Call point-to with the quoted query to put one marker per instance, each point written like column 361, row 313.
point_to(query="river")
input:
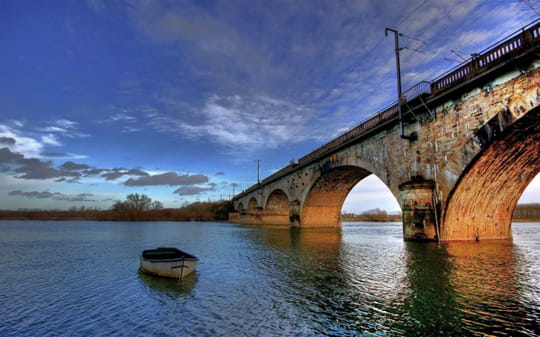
column 81, row 279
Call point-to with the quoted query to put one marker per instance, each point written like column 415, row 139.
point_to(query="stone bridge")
column 470, row 147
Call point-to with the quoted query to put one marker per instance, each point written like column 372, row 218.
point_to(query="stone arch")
column 253, row 204
column 322, row 204
column 240, row 207
column 277, row 200
column 485, row 196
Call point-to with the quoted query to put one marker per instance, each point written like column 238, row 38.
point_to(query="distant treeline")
column 372, row 215
column 141, row 208
column 527, row 212
column 135, row 208
column 523, row 212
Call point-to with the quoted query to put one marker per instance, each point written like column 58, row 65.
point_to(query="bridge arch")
column 277, row 201
column 240, row 207
column 484, row 198
column 324, row 200
column 253, row 204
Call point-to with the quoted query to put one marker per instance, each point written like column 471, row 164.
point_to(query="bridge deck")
column 521, row 43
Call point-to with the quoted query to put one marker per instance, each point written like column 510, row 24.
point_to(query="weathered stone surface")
column 480, row 150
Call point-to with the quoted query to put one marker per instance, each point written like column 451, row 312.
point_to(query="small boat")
column 167, row 262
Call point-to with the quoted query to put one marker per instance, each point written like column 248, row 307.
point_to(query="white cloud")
column 27, row 146
column 50, row 139
column 250, row 122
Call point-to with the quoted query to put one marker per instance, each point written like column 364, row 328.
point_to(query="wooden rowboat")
column 167, row 262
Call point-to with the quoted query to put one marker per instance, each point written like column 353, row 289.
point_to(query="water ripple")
column 81, row 279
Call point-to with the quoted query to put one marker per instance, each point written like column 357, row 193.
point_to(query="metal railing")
column 390, row 112
column 498, row 53
column 501, row 51
column 488, row 58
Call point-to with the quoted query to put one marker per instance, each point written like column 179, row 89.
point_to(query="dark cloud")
column 192, row 190
column 93, row 171
column 33, row 194
column 52, row 195
column 169, row 178
column 220, row 173
column 120, row 172
column 112, row 175
column 36, row 169
column 8, row 157
column 75, row 198
column 137, row 172
column 71, row 166
column 7, row 141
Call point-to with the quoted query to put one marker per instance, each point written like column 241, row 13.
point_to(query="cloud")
column 50, row 139
column 71, row 166
column 120, row 172
column 168, row 178
column 251, row 122
column 192, row 190
column 53, row 154
column 7, row 141
column 53, row 195
column 24, row 145
column 123, row 117
column 32, row 194
column 8, row 157
column 220, row 174
column 36, row 169
column 63, row 127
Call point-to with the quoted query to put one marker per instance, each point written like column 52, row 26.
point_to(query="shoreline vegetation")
column 136, row 207
column 139, row 207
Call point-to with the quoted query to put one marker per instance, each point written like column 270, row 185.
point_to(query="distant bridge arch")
column 253, row 204
column 325, row 197
column 277, row 200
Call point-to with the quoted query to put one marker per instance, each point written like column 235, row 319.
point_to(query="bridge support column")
column 294, row 213
column 419, row 222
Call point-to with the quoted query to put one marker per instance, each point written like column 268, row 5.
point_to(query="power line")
column 364, row 58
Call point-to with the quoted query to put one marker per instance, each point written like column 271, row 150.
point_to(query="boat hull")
column 167, row 262
column 171, row 269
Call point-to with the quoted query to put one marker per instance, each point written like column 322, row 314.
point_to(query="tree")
column 135, row 205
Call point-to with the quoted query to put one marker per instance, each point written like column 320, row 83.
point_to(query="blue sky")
column 177, row 99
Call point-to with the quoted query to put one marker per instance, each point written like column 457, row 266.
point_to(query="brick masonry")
column 472, row 146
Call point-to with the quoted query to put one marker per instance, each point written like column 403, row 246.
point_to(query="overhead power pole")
column 258, row 167
column 398, row 68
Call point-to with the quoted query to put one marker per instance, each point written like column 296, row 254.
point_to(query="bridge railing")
column 525, row 38
column 371, row 122
column 489, row 57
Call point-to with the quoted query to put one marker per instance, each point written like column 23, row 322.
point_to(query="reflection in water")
column 490, row 290
column 350, row 287
column 430, row 306
column 58, row 278
column 172, row 288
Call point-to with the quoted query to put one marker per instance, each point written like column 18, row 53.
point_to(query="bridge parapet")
column 455, row 125
column 489, row 57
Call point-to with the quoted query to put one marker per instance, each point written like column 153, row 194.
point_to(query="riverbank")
column 198, row 211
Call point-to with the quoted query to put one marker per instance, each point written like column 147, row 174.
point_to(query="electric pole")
column 398, row 68
column 258, row 168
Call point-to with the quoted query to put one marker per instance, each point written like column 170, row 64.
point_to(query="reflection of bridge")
column 472, row 147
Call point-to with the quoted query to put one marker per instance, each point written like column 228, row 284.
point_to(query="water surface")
column 81, row 279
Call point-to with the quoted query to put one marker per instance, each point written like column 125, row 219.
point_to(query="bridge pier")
column 419, row 216
column 476, row 149
column 264, row 217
